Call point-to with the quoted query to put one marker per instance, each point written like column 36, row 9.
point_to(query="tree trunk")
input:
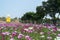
column 54, row 21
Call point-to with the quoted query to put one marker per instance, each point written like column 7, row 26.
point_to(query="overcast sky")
column 17, row 8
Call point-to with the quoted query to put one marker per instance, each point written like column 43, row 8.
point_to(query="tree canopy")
column 50, row 7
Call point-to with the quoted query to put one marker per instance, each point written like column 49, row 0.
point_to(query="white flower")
column 30, row 28
column 16, row 31
column 49, row 37
column 57, row 38
column 2, row 27
column 58, row 29
column 54, row 33
column 42, row 36
column 51, row 30
column 7, row 33
column 41, row 33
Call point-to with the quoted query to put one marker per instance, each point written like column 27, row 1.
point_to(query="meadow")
column 19, row 31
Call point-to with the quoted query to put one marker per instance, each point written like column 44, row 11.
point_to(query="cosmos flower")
column 30, row 28
column 58, row 35
column 41, row 33
column 42, row 36
column 14, row 34
column 48, row 33
column 49, row 37
column 20, row 36
column 11, row 38
column 54, row 29
column 5, row 33
column 57, row 38
column 58, row 29
column 26, row 29
column 28, row 37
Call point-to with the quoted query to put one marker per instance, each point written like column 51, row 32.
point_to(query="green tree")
column 28, row 16
column 52, row 7
column 40, row 12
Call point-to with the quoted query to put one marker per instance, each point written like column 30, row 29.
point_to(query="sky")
column 17, row 8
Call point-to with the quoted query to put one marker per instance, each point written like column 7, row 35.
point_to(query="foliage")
column 52, row 7
column 28, row 16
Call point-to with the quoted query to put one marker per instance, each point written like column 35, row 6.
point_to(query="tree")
column 28, row 16
column 52, row 7
column 40, row 12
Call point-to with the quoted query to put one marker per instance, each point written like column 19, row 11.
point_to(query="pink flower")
column 58, row 35
column 25, row 29
column 12, row 39
column 20, row 36
column 14, row 34
column 5, row 33
column 54, row 29
column 28, row 37
column 48, row 27
column 48, row 32
column 30, row 31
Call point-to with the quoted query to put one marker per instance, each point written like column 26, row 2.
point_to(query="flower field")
column 17, row 31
